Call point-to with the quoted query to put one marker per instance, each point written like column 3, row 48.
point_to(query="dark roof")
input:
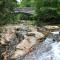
column 27, row 10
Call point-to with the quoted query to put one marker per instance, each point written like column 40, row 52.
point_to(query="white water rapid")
column 48, row 50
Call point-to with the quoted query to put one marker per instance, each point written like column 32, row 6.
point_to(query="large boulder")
column 24, row 47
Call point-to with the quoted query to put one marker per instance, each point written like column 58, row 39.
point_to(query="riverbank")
column 19, row 40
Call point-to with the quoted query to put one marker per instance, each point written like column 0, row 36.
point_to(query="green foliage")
column 26, row 3
column 47, row 11
column 6, row 7
column 25, row 17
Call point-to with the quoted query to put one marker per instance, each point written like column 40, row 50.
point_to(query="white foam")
column 53, row 54
column 56, row 32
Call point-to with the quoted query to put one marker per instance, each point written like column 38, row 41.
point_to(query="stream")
column 47, row 50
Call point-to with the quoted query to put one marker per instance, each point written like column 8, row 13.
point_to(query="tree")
column 47, row 10
column 25, row 3
column 6, row 7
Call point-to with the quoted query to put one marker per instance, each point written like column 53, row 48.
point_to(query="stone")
column 24, row 46
column 49, row 27
column 30, row 34
column 19, row 35
column 32, row 28
column 6, row 37
column 29, row 42
column 18, row 53
column 41, row 29
column 38, row 35
column 2, row 42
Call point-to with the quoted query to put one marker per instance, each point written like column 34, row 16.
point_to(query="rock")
column 6, row 37
column 56, row 35
column 24, row 46
column 49, row 27
column 19, row 35
column 30, row 34
column 46, row 33
column 5, row 55
column 32, row 28
column 12, row 27
column 18, row 53
column 23, row 28
column 38, row 35
column 22, row 31
column 2, row 42
column 41, row 29
column 27, row 43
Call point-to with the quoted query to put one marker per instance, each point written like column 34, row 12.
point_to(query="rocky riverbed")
column 23, row 42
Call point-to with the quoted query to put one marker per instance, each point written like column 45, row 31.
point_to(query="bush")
column 50, row 16
column 6, row 7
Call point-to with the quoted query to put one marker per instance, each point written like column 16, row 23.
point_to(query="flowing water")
column 47, row 50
